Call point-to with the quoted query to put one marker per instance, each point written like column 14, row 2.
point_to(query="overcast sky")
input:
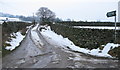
column 73, row 9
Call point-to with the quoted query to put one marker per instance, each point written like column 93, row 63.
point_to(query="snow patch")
column 28, row 27
column 15, row 41
column 66, row 43
column 1, row 22
column 35, row 36
column 59, row 40
column 105, row 50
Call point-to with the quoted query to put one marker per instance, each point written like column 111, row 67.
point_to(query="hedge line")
column 86, row 38
column 88, row 23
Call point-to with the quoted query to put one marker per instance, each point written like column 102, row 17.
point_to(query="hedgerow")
column 86, row 38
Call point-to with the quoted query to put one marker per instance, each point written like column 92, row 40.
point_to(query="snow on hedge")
column 65, row 43
column 18, row 37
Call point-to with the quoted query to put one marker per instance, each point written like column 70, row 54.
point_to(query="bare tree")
column 45, row 15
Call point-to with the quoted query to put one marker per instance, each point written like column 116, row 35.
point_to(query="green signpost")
column 111, row 14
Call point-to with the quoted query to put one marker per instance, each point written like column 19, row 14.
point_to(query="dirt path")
column 28, row 55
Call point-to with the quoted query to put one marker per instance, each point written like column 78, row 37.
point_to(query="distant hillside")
column 21, row 17
column 8, row 15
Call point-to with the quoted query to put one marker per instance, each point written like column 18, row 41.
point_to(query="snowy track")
column 50, row 55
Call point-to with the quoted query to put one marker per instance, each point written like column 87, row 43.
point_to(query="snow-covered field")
column 2, row 19
column 15, row 41
column 66, row 43
column 9, row 19
column 97, row 27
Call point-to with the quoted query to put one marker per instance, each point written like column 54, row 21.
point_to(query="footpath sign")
column 111, row 14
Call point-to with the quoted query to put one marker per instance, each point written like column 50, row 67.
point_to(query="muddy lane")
column 51, row 55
